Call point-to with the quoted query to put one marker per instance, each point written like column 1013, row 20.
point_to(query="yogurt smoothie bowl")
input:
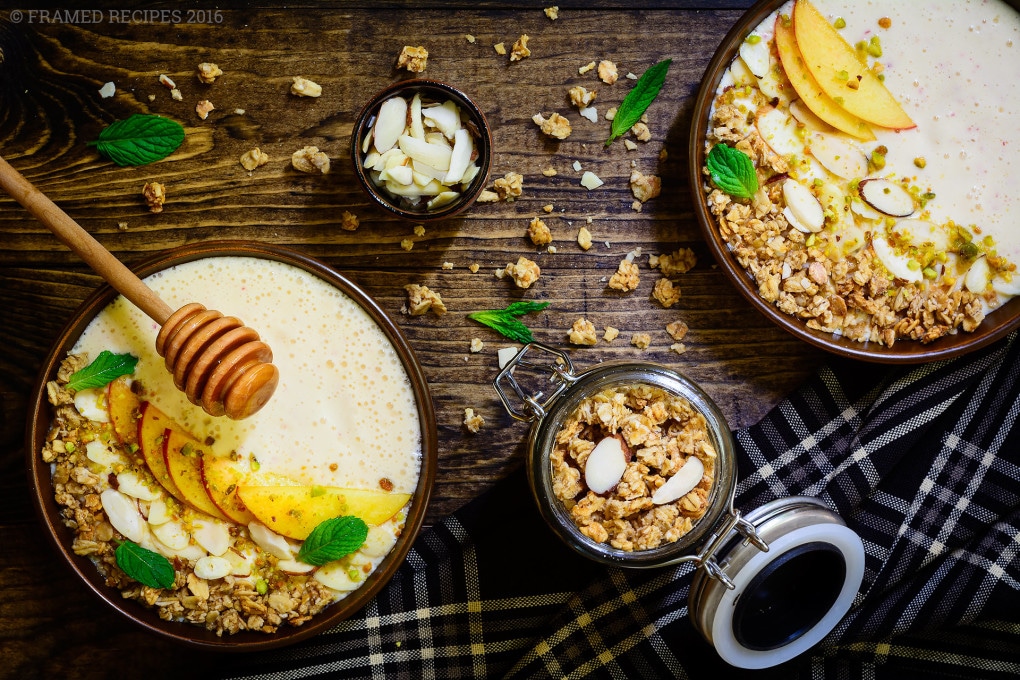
column 245, row 525
column 860, row 164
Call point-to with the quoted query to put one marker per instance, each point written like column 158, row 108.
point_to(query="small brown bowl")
column 432, row 90
column 995, row 326
column 187, row 634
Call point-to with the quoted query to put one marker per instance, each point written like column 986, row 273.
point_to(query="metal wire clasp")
column 560, row 370
column 733, row 522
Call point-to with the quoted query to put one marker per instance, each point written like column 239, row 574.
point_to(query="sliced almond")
column 131, row 484
column 101, row 453
column 740, row 73
column 839, row 155
column 921, row 233
column 807, row 117
column 122, row 511
column 390, row 123
column 172, row 535
column 888, row 198
column 850, row 238
column 401, row 174
column 158, row 513
column 417, row 129
column 898, row 265
column 442, row 199
column 336, row 575
column 445, row 117
column 294, row 567
column 805, row 208
column 978, row 276
column 756, row 56
column 433, row 188
column 779, row 130
column 211, row 568
column 434, row 155
column 681, row 483
column 864, row 210
column 460, row 157
column 240, row 563
column 91, row 405
column 212, row 535
column 379, row 541
column 1008, row 287
column 605, row 465
column 270, row 541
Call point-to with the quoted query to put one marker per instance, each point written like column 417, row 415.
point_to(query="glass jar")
column 768, row 586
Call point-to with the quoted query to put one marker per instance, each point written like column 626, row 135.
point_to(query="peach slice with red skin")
column 123, row 406
column 220, row 476
column 151, row 428
column 183, row 456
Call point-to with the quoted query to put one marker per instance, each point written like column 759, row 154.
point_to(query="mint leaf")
column 638, row 100
column 333, row 539
column 147, row 567
column 140, row 139
column 106, row 368
column 732, row 171
column 505, row 320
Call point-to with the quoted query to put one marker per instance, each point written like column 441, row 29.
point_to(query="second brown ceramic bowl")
column 995, row 326
column 432, row 90
column 196, row 636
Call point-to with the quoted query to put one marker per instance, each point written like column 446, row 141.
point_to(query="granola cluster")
column 833, row 287
column 661, row 431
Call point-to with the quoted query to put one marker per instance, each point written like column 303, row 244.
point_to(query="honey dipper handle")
column 82, row 243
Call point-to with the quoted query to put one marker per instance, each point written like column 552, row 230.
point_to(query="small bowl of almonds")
column 421, row 150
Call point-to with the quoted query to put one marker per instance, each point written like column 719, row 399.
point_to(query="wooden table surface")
column 51, row 68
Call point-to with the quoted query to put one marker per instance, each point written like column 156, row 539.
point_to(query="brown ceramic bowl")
column 995, row 326
column 433, row 90
column 195, row 636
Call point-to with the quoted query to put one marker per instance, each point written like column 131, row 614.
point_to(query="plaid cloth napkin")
column 923, row 462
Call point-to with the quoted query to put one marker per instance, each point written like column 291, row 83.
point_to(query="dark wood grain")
column 50, row 109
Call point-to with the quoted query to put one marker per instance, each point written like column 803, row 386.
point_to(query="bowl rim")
column 485, row 135
column 59, row 536
column 997, row 324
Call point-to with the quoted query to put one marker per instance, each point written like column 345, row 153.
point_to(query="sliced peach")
column 183, row 456
column 220, row 476
column 840, row 73
column 124, row 406
column 807, row 87
column 151, row 426
column 293, row 511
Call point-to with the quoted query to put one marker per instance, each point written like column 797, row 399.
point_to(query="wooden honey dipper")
column 217, row 361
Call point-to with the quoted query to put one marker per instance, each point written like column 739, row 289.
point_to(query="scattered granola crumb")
column 524, row 273
column 641, row 132
column 552, row 12
column 349, row 221
column 239, row 112
column 122, row 226
column 555, row 125
column 607, row 72
column 203, row 108
column 576, row 166
column 551, row 250
column 590, row 113
column 470, row 38
column 611, row 334
column 549, row 172
column 108, row 90
column 420, row 300
column 582, row 333
column 611, row 113
column 310, row 159
column 472, row 421
column 152, row 97
column 588, row 220
column 631, row 146
column 413, row 58
column 584, row 238
column 547, row 208
column 208, row 72
column 476, row 345
column 539, row 233
column 447, row 266
column 166, row 82
column 587, row 67
column 672, row 265
column 581, row 97
column 677, row 330
column 678, row 347
column 419, row 230
column 500, row 273
column 631, row 76
column 510, row 186
column 255, row 158
column 626, row 277
column 407, row 244
column 155, row 195
column 520, row 49
column 641, row 340
column 663, row 154
column 303, row 87
column 666, row 293
column 589, row 180
column 644, row 187
column 473, row 267
column 500, row 48
column 487, row 196
column 636, row 206
column 176, row 95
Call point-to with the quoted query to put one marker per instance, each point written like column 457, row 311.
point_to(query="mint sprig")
column 333, row 539
column 732, row 171
column 639, row 99
column 106, row 368
column 140, row 139
column 145, row 566
column 506, row 322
